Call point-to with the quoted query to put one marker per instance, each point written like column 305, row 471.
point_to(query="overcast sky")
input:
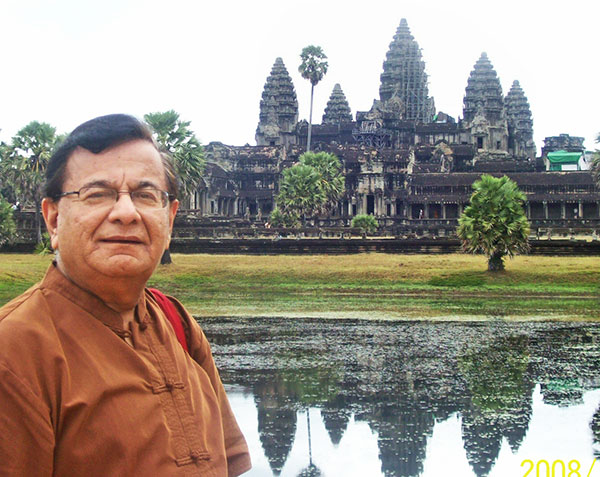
column 66, row 61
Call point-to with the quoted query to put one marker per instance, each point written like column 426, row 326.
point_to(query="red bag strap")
column 172, row 315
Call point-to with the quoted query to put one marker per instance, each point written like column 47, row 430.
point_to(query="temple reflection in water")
column 402, row 379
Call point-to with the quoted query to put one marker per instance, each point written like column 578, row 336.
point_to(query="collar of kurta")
column 55, row 281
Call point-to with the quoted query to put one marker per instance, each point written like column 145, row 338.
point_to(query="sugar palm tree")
column 174, row 136
column 300, row 192
column 332, row 180
column 494, row 222
column 24, row 164
column 313, row 68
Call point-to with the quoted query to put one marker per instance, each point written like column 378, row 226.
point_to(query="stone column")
column 580, row 210
column 545, row 202
column 444, row 210
column 562, row 210
column 426, row 211
column 528, row 210
column 363, row 204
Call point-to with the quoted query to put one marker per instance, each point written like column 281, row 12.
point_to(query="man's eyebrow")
column 105, row 183
column 97, row 183
column 143, row 184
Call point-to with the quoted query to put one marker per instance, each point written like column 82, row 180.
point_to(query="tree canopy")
column 24, row 163
column 332, row 181
column 311, row 186
column 367, row 223
column 175, row 137
column 494, row 222
column 314, row 65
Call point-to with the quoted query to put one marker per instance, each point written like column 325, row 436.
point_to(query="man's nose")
column 124, row 209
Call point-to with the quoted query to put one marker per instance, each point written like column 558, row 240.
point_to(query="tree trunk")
column 312, row 90
column 166, row 258
column 496, row 262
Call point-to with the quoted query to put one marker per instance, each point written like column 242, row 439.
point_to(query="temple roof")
column 521, row 178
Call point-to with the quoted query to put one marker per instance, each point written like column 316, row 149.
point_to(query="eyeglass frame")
column 167, row 197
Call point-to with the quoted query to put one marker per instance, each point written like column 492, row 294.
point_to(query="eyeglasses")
column 144, row 198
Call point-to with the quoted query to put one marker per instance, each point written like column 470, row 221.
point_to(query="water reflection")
column 411, row 399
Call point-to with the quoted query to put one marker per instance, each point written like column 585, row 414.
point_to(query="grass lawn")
column 369, row 285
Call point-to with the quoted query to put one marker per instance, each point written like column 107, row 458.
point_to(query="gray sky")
column 66, row 61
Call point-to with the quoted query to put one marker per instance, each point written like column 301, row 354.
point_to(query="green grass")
column 369, row 285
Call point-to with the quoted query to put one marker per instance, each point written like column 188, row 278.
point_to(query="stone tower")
column 278, row 109
column 483, row 112
column 404, row 77
column 520, row 123
column 337, row 110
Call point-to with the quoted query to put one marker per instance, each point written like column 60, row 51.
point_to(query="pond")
column 382, row 398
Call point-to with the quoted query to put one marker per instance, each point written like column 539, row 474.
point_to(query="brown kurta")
column 77, row 399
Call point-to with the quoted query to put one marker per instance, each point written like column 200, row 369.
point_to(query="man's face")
column 118, row 240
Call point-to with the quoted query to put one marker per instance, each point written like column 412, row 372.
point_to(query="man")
column 93, row 380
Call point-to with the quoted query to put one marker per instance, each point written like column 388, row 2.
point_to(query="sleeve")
column 238, row 456
column 27, row 436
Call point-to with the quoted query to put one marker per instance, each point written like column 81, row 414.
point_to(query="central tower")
column 404, row 77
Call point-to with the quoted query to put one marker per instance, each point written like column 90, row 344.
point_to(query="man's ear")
column 50, row 213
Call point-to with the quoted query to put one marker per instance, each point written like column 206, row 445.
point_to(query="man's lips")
column 124, row 239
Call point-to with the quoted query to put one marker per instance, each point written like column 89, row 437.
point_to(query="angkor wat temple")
column 407, row 164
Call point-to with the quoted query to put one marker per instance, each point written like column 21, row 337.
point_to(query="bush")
column 283, row 219
column 44, row 247
column 367, row 223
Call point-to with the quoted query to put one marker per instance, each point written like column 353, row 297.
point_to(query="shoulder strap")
column 170, row 312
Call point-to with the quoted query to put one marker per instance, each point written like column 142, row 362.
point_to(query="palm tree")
column 332, row 180
column 174, row 136
column 25, row 162
column 494, row 222
column 300, row 191
column 313, row 68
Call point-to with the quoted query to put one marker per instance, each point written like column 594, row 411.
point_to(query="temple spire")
column 483, row 112
column 278, row 109
column 520, row 123
column 337, row 110
column 483, row 93
column 404, row 76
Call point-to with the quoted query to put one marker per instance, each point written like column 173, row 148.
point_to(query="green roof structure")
column 558, row 158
